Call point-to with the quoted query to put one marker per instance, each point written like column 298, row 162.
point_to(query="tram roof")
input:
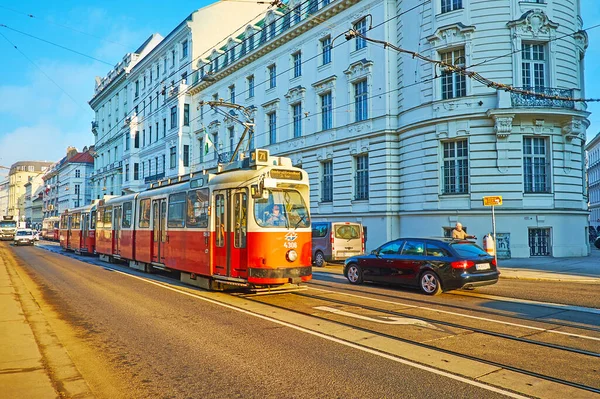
column 85, row 208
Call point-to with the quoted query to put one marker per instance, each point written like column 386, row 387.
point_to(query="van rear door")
column 348, row 240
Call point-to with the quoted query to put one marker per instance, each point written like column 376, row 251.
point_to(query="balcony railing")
column 153, row 178
column 530, row 101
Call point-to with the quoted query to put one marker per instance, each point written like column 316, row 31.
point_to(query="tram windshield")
column 282, row 208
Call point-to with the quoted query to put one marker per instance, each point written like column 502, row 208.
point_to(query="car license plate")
column 482, row 266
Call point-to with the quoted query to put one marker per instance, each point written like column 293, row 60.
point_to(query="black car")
column 432, row 264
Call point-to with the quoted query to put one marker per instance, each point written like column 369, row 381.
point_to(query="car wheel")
column 354, row 274
column 430, row 283
column 319, row 259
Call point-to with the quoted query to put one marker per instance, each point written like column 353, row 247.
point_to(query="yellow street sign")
column 492, row 201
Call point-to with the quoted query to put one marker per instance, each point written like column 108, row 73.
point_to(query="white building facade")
column 150, row 137
column 4, row 197
column 67, row 184
column 404, row 146
column 593, row 179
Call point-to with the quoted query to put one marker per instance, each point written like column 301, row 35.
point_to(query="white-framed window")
column 360, row 100
column 250, row 80
column 451, row 5
column 453, row 84
column 326, row 111
column 361, row 178
column 186, row 156
column 77, row 173
column 297, row 59
column 327, row 181
column 232, row 94
column 231, row 138
column 272, row 126
column 533, row 66
column 361, row 27
column 536, row 167
column 173, row 156
column 173, row 117
column 325, row 50
column 186, row 114
column 272, row 76
column 297, row 119
column 455, row 167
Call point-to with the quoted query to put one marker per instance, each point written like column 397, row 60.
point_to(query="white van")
column 24, row 237
column 336, row 241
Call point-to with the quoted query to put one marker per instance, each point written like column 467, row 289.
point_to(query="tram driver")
column 275, row 217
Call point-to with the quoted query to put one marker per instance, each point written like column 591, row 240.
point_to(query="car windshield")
column 24, row 233
column 469, row 250
column 347, row 231
column 282, row 208
column 8, row 224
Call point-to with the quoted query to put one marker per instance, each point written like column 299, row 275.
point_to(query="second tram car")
column 50, row 228
column 78, row 229
column 248, row 226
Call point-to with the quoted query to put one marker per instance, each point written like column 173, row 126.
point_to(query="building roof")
column 81, row 157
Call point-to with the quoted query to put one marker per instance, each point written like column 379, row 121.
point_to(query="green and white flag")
column 207, row 144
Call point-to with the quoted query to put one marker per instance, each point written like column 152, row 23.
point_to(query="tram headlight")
column 291, row 255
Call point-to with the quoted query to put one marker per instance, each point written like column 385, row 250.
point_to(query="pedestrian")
column 459, row 234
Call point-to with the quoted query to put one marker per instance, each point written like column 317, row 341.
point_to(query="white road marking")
column 459, row 314
column 390, row 320
column 559, row 306
column 332, row 339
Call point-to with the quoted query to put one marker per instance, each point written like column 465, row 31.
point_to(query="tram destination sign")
column 286, row 174
column 492, row 200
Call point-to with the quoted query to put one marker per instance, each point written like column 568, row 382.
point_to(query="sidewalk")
column 583, row 269
column 22, row 371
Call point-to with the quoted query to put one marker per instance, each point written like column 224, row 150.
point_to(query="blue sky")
column 43, row 107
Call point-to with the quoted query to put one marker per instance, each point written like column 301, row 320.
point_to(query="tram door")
column 230, row 255
column 117, row 215
column 83, row 241
column 159, row 231
column 69, row 231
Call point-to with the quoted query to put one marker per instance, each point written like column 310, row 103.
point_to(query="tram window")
column 100, row 218
column 145, row 213
column 93, row 220
column 108, row 218
column 241, row 221
column 176, row 216
column 75, row 221
column 220, row 220
column 197, row 208
column 292, row 210
column 127, row 215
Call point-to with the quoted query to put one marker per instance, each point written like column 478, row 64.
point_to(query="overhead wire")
column 31, row 16
column 41, row 70
column 56, row 44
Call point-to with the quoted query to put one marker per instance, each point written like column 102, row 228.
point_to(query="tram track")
column 375, row 332
column 352, row 291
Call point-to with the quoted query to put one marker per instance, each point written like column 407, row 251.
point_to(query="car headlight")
column 291, row 255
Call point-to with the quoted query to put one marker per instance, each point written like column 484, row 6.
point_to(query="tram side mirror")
column 254, row 191
column 257, row 192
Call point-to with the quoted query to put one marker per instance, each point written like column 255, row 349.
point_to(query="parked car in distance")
column 24, row 237
column 431, row 264
column 336, row 241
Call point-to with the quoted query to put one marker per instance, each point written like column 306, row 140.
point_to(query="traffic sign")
column 492, row 201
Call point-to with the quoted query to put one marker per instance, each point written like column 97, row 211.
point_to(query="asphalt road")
column 130, row 337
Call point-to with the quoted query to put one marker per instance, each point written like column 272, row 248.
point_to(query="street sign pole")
column 494, row 233
column 493, row 201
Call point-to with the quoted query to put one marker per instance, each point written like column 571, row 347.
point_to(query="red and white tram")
column 216, row 229
column 78, row 229
column 50, row 228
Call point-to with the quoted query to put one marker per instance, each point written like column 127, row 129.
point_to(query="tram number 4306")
column 290, row 244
